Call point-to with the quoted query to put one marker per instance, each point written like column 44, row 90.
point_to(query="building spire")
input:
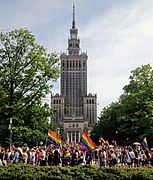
column 73, row 22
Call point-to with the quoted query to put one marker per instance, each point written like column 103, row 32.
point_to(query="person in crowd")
column 43, row 157
column 56, row 158
column 108, row 159
column 1, row 156
column 50, row 157
column 24, row 156
column 65, row 157
column 113, row 161
column 148, row 158
column 74, row 157
column 142, row 158
column 130, row 157
column 118, row 154
column 123, row 156
column 151, row 158
column 89, row 158
column 137, row 159
column 16, row 157
column 38, row 156
column 32, row 156
column 96, row 155
column 4, row 156
column 102, row 157
column 82, row 157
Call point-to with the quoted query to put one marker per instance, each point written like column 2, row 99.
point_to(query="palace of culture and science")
column 76, row 109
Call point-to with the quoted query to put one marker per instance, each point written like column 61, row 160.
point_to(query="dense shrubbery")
column 31, row 172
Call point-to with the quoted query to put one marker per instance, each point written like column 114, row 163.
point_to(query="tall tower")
column 74, row 74
column 76, row 110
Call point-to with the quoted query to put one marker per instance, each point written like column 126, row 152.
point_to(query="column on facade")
column 71, row 136
column 79, row 136
column 67, row 137
column 75, row 137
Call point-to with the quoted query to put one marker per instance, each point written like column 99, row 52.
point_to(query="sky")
column 116, row 34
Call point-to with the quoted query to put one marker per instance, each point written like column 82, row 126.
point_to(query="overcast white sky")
column 117, row 35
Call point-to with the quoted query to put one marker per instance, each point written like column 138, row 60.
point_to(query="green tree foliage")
column 32, row 124
column 26, row 75
column 107, row 126
column 136, row 117
column 132, row 116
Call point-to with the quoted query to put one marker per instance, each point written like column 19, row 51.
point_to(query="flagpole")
column 10, row 128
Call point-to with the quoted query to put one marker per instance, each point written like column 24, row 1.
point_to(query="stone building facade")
column 76, row 109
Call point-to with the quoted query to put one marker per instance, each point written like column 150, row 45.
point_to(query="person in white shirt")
column 102, row 157
column 43, row 157
column 32, row 156
column 130, row 157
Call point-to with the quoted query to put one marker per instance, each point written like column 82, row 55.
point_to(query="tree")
column 132, row 115
column 107, row 126
column 32, row 124
column 136, row 117
column 26, row 74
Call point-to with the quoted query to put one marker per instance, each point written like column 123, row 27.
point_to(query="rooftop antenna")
column 73, row 22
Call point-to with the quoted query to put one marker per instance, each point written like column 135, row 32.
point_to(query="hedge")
column 32, row 172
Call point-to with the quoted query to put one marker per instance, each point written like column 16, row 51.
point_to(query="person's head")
column 103, row 149
column 112, row 151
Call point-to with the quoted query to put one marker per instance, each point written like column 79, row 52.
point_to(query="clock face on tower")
column 73, row 35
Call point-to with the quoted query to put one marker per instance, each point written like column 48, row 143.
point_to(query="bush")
column 32, row 172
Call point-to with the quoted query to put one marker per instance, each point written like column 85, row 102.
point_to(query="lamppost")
column 10, row 132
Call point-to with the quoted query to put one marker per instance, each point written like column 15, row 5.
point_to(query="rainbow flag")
column 54, row 138
column 107, row 143
column 87, row 143
column 144, row 143
column 67, row 141
column 102, row 140
column 66, row 156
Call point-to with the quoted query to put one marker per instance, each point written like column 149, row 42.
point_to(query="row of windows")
column 76, row 89
column 78, row 83
column 73, row 45
column 73, row 125
column 74, row 73
column 90, row 101
column 57, row 101
column 75, row 69
column 76, row 78
column 73, row 64
column 79, row 111
column 90, row 109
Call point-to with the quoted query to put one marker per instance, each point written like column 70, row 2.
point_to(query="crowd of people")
column 101, row 156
